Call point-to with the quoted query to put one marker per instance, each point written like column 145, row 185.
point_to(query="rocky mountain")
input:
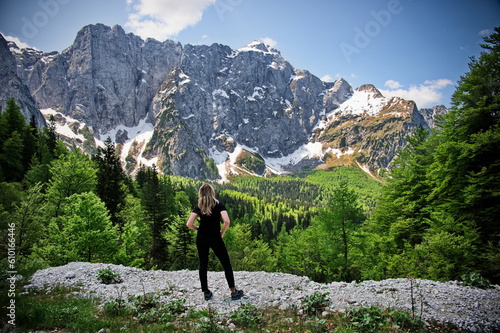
column 206, row 111
column 11, row 84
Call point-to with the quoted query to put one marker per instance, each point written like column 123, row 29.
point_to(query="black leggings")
column 204, row 243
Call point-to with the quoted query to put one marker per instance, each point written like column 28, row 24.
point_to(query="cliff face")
column 12, row 86
column 208, row 111
column 218, row 99
column 105, row 79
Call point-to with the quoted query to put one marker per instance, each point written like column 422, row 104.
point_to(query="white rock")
column 469, row 308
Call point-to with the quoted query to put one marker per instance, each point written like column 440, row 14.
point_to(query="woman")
column 210, row 211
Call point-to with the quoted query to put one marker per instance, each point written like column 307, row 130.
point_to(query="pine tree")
column 473, row 127
column 11, row 159
column 154, row 201
column 339, row 220
column 39, row 166
column 110, row 186
column 30, row 144
column 467, row 177
column 12, row 126
column 136, row 235
column 14, row 119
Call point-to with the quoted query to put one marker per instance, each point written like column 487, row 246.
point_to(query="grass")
column 68, row 310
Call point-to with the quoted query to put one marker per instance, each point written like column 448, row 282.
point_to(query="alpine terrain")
column 205, row 112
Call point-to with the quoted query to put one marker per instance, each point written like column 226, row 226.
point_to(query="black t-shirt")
column 210, row 224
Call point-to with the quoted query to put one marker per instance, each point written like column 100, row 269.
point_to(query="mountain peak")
column 370, row 88
column 259, row 46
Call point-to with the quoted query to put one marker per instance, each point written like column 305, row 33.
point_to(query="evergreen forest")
column 435, row 215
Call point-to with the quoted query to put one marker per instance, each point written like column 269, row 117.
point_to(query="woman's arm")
column 190, row 222
column 227, row 222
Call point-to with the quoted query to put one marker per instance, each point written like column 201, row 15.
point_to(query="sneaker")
column 237, row 295
column 208, row 295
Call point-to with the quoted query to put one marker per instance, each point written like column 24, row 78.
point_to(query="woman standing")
column 211, row 211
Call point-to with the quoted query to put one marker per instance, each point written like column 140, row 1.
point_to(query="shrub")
column 247, row 315
column 374, row 319
column 209, row 319
column 476, row 280
column 315, row 303
column 108, row 276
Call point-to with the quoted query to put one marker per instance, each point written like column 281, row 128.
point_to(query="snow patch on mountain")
column 227, row 161
column 219, row 92
column 339, row 152
column 137, row 135
column 311, row 150
column 258, row 46
column 220, row 158
column 362, row 102
column 63, row 124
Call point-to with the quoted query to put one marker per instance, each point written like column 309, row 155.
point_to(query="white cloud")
column 327, row 78
column 269, row 41
column 19, row 43
column 345, row 76
column 485, row 32
column 426, row 94
column 392, row 84
column 162, row 19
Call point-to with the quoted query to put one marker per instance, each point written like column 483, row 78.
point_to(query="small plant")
column 149, row 309
column 476, row 280
column 209, row 322
column 319, row 325
column 374, row 319
column 176, row 307
column 367, row 319
column 109, row 276
column 315, row 303
column 403, row 320
column 145, row 302
column 247, row 315
column 117, row 307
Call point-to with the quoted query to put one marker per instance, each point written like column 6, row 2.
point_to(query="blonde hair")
column 206, row 199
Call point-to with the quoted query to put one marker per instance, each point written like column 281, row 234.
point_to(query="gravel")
column 470, row 308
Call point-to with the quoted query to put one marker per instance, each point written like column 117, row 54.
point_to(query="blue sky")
column 416, row 49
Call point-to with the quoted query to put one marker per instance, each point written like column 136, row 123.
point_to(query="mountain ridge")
column 210, row 111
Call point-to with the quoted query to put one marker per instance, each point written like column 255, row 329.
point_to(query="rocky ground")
column 471, row 308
